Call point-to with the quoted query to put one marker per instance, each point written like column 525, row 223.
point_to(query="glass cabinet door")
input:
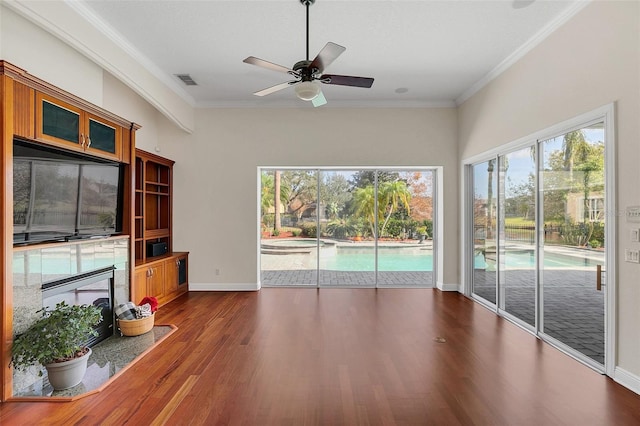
column 103, row 136
column 68, row 126
column 58, row 122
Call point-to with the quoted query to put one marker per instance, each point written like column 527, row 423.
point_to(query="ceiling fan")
column 307, row 72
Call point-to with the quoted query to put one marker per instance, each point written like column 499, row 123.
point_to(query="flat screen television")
column 60, row 195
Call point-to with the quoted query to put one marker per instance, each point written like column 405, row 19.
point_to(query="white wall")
column 215, row 179
column 591, row 61
column 34, row 50
column 120, row 100
column 73, row 23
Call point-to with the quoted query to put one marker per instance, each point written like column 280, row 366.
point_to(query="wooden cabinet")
column 150, row 281
column 165, row 279
column 68, row 126
column 23, row 111
column 162, row 275
column 176, row 273
column 153, row 182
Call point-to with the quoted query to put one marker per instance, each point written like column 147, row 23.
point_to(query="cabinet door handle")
column 88, row 141
column 82, row 140
column 178, row 263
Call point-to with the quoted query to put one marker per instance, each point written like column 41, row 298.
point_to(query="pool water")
column 415, row 260
column 527, row 260
column 362, row 260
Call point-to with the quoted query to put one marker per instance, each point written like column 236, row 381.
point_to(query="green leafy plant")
column 58, row 335
column 309, row 229
column 342, row 228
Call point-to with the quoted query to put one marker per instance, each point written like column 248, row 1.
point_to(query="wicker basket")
column 136, row 327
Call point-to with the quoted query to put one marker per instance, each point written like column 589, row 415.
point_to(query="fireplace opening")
column 90, row 288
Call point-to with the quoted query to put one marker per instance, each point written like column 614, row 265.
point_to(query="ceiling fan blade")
column 269, row 65
column 327, row 55
column 275, row 88
column 346, row 80
column 319, row 100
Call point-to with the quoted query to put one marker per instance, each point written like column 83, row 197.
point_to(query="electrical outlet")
column 635, row 235
column 217, row 271
column 632, row 256
column 633, row 214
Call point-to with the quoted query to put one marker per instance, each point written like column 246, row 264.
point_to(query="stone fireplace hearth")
column 37, row 266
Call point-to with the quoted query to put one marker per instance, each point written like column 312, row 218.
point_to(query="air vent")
column 186, row 79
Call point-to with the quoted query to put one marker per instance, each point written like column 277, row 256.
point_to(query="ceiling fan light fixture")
column 307, row 90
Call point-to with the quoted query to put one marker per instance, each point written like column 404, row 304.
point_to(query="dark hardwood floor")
column 291, row 356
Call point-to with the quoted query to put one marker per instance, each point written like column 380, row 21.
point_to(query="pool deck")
column 308, row 277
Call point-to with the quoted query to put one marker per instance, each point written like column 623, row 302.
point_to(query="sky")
column 521, row 163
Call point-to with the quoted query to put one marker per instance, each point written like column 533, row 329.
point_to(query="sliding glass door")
column 485, row 258
column 347, row 254
column 517, row 268
column 406, row 238
column 347, row 227
column 573, row 199
column 539, row 239
column 288, row 227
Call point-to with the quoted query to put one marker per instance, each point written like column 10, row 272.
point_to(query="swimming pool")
column 389, row 259
column 348, row 257
column 525, row 259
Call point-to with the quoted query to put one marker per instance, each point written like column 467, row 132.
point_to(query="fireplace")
column 89, row 288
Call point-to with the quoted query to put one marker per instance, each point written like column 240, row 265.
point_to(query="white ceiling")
column 439, row 51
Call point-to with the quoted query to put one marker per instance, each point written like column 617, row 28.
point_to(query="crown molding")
column 518, row 54
column 116, row 38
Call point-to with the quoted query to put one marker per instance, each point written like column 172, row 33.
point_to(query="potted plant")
column 422, row 233
column 57, row 341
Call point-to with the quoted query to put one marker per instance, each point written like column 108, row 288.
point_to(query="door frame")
column 606, row 114
column 437, row 218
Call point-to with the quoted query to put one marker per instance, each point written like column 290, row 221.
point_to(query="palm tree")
column 276, row 203
column 390, row 196
column 268, row 197
column 574, row 148
column 490, row 169
column 364, row 202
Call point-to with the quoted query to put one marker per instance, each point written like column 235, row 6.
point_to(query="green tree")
column 302, row 190
column 391, row 196
column 365, row 178
column 268, row 195
column 277, row 222
column 335, row 193
column 364, row 205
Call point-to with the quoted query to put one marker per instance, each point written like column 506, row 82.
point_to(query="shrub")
column 268, row 220
column 296, row 232
column 429, row 225
column 309, row 229
column 341, row 229
column 398, row 228
column 275, row 232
